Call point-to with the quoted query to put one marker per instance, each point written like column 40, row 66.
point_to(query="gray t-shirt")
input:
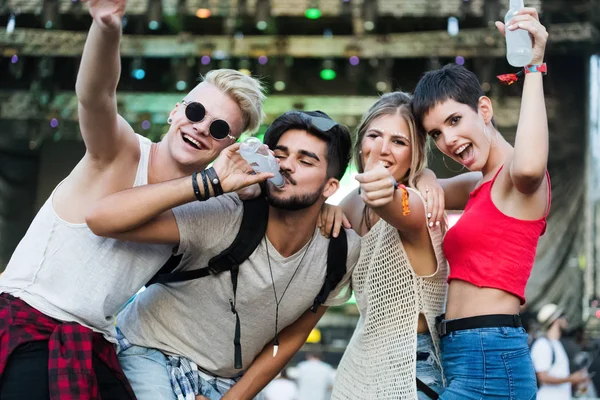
column 194, row 319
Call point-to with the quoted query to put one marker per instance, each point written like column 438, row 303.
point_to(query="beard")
column 293, row 203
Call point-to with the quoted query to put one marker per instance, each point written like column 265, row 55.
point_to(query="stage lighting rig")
column 154, row 14
column 262, row 14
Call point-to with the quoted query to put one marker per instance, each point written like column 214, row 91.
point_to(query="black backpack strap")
column 179, row 276
column 252, row 229
column 551, row 348
column 429, row 392
column 167, row 268
column 552, row 351
column 337, row 253
column 237, row 341
column 544, row 337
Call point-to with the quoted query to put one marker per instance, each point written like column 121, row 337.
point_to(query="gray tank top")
column 70, row 274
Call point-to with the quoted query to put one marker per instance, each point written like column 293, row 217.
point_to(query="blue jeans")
column 146, row 370
column 428, row 371
column 488, row 363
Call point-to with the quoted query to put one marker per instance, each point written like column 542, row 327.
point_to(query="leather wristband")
column 205, row 183
column 196, row 187
column 214, row 181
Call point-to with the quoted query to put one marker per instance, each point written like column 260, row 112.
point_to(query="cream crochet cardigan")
column 380, row 360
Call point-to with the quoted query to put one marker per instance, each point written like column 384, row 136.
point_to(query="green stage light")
column 313, row 13
column 262, row 25
column 279, row 86
column 328, row 74
column 181, row 85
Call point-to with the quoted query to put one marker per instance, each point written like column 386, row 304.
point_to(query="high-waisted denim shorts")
column 488, row 363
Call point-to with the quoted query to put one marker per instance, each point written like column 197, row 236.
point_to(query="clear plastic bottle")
column 261, row 160
column 518, row 42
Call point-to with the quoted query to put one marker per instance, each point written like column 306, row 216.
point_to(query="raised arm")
column 104, row 132
column 266, row 367
column 529, row 162
column 138, row 214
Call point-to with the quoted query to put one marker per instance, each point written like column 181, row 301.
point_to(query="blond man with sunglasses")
column 63, row 284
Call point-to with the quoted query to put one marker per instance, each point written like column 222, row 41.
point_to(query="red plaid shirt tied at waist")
column 70, row 371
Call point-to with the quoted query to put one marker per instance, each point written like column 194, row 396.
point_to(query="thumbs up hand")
column 373, row 160
column 376, row 183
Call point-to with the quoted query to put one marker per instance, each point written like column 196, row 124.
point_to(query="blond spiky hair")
column 246, row 91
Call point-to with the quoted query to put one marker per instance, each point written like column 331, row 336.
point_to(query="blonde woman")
column 400, row 279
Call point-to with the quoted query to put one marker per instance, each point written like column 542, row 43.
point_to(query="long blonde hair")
column 395, row 103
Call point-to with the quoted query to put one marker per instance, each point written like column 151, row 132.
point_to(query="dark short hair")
column 452, row 82
column 337, row 138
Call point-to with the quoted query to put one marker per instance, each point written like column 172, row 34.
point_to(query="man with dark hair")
column 190, row 328
column 339, row 144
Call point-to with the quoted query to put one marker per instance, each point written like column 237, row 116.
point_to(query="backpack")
column 252, row 231
column 551, row 349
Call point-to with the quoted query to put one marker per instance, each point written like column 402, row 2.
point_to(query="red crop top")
column 490, row 249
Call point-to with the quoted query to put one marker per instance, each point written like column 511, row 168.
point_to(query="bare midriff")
column 422, row 327
column 467, row 300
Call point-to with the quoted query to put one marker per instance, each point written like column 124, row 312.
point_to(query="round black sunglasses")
column 195, row 112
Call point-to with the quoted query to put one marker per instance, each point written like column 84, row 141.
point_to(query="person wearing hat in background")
column 550, row 358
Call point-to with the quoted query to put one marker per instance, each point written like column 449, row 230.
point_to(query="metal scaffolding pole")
column 592, row 281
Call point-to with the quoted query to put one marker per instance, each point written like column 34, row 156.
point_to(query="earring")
column 360, row 152
column 450, row 169
column 169, row 121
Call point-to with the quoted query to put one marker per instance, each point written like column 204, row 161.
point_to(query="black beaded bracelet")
column 205, row 183
column 196, row 187
column 215, row 181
